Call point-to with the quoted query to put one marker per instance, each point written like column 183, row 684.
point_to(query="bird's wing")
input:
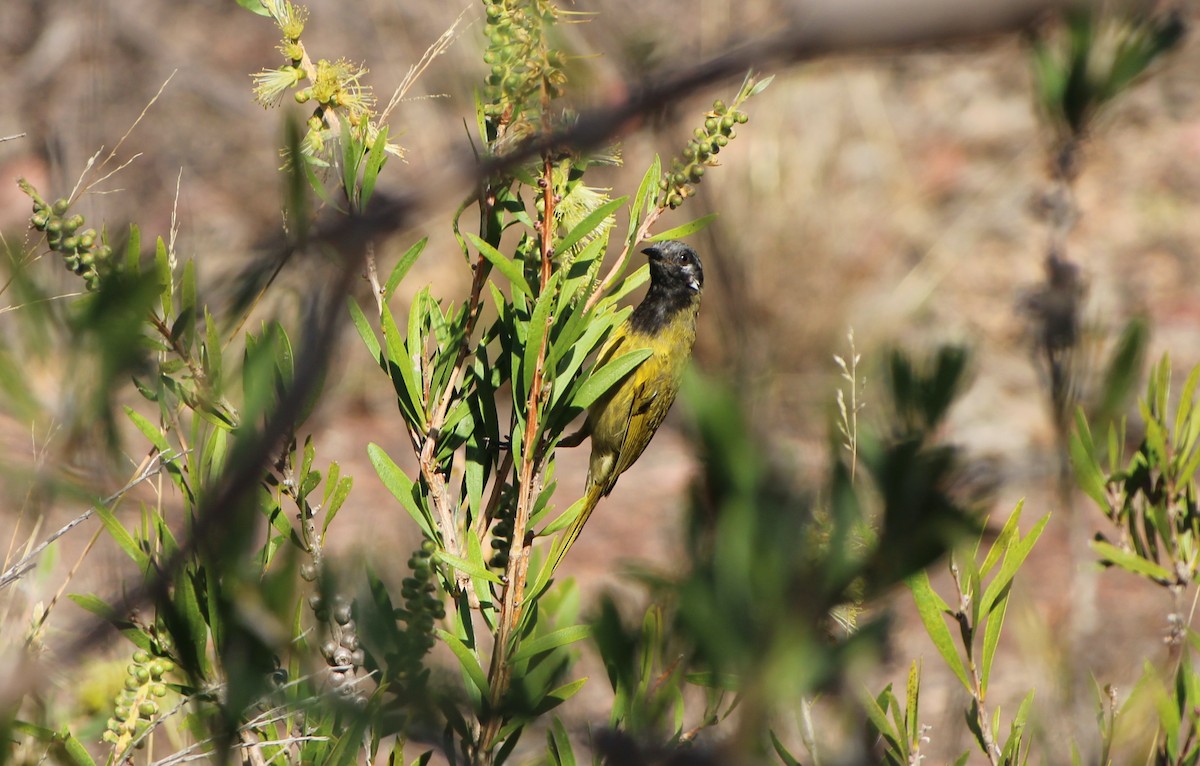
column 647, row 408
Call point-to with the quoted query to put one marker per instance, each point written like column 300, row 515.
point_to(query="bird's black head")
column 675, row 266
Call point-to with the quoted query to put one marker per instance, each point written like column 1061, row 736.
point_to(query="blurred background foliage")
column 1017, row 197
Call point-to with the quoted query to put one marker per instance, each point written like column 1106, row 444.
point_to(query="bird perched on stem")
column 622, row 422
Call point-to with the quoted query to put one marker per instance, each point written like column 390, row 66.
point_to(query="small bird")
column 622, row 422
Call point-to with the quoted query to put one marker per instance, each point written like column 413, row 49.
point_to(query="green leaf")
column 553, row 640
column 1131, row 562
column 364, row 330
column 401, row 487
column 785, row 756
column 152, row 432
column 375, row 160
column 588, row 225
column 122, row 537
column 912, row 693
column 930, row 606
column 1083, row 460
column 645, row 198
column 402, row 267
column 760, row 86
column 463, row 565
column 991, row 638
column 511, row 270
column 599, row 382
column 409, row 390
column 874, row 708
column 254, row 6
column 559, row 744
column 538, row 329
column 679, row 232
column 1016, row 554
column 335, row 500
column 467, row 660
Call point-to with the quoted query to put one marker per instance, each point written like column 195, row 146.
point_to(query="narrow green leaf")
column 365, row 330
column 402, row 267
column 878, row 716
column 679, row 232
column 1131, row 562
column 399, row 364
column 401, row 487
column 375, row 159
column 588, row 225
column 930, row 607
column 912, row 693
column 785, row 756
column 468, row 567
column 991, row 638
column 466, row 658
column 1000, row 546
column 558, row 638
column 152, row 432
column 1083, row 460
column 1014, row 557
column 599, row 382
column 335, row 500
column 538, row 329
column 511, row 270
column 122, row 537
column 559, row 744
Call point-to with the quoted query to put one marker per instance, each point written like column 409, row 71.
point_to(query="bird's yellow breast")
column 623, row 422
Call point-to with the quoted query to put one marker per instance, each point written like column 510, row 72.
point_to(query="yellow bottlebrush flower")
column 271, row 84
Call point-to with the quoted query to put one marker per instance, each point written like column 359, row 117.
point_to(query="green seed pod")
column 39, row 221
column 70, row 243
column 427, row 548
column 148, row 709
column 86, row 241
column 721, row 141
column 54, row 225
column 120, row 713
column 156, row 670
column 727, row 122
column 114, row 725
column 742, row 118
column 60, row 206
column 109, row 737
column 674, row 201
column 303, row 96
column 104, row 252
column 131, row 683
column 732, row 134
column 72, row 223
column 159, row 690
column 711, row 125
column 696, row 173
column 700, row 134
column 141, row 673
column 719, row 106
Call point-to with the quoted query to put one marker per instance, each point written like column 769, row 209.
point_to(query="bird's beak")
column 654, row 253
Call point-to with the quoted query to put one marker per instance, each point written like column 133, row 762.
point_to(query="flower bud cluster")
column 136, row 707
column 687, row 171
column 422, row 607
column 521, row 63
column 83, row 250
column 502, row 530
column 343, row 650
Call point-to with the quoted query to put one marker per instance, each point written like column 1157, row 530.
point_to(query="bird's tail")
column 563, row 543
